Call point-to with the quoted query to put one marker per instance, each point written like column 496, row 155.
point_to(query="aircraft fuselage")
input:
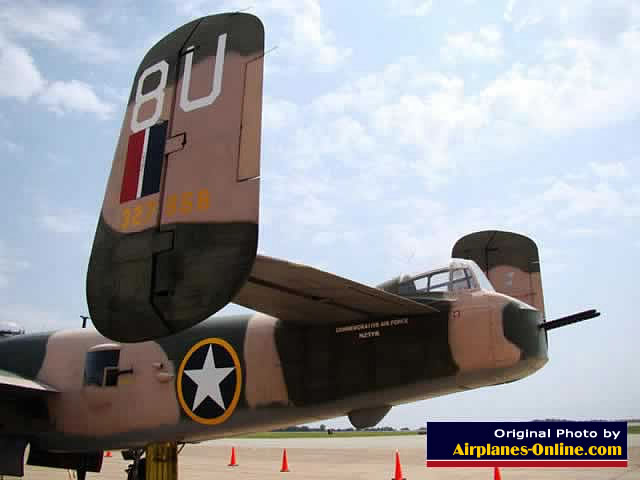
column 238, row 374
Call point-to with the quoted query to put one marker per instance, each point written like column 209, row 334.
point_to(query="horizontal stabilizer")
column 12, row 383
column 304, row 294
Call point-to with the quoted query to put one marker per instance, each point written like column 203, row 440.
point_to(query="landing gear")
column 137, row 470
column 161, row 462
column 81, row 474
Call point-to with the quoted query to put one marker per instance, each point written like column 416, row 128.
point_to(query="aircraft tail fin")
column 510, row 261
column 178, row 229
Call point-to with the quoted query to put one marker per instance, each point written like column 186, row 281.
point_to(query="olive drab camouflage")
column 178, row 230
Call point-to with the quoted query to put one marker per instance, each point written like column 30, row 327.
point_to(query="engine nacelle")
column 368, row 417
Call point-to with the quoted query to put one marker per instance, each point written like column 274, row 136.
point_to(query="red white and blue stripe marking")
column 143, row 167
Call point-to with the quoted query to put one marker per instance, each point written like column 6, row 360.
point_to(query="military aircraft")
column 177, row 240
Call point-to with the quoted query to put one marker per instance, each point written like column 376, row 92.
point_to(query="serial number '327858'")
column 144, row 213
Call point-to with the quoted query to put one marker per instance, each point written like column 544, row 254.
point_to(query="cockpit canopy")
column 460, row 275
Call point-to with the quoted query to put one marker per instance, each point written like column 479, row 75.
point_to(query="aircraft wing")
column 22, row 404
column 304, row 294
column 11, row 383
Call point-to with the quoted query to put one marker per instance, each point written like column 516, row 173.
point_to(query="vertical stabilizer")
column 509, row 260
column 178, row 230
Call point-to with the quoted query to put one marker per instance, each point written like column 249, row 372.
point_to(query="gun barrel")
column 568, row 320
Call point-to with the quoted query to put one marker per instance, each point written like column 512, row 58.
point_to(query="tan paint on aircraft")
column 476, row 335
column 81, row 409
column 210, row 158
column 505, row 353
column 518, row 284
column 265, row 383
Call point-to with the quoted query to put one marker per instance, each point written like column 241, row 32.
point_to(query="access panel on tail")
column 509, row 260
column 178, row 230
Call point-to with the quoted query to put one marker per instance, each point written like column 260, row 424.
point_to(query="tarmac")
column 336, row 458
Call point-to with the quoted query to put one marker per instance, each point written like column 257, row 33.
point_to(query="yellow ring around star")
column 236, row 396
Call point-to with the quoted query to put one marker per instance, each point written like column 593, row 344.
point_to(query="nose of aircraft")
column 522, row 327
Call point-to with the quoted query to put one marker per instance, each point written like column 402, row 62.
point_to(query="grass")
column 324, row 434
column 634, row 429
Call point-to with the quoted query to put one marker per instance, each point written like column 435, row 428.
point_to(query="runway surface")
column 336, row 458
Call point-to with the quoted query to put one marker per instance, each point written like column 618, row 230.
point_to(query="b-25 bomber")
column 177, row 240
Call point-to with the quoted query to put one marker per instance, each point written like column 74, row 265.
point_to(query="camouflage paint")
column 14, row 359
column 510, row 261
column 171, row 259
column 290, row 373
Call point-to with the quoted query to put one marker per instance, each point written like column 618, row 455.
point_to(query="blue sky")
column 390, row 129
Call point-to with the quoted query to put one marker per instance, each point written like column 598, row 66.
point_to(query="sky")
column 391, row 128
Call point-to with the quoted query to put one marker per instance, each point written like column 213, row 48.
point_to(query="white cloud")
column 74, row 96
column 417, row 8
column 327, row 238
column 566, row 203
column 340, row 139
column 10, row 264
column 309, row 38
column 68, row 221
column 405, row 114
column 414, row 246
column 11, row 147
column 323, row 239
column 32, row 318
column 313, row 211
column 595, row 19
column 483, row 46
column 609, row 170
column 562, row 208
column 61, row 26
column 21, row 78
column 307, row 208
column 569, row 200
column 304, row 34
column 524, row 14
column 431, row 124
column 584, row 232
column 590, row 85
column 277, row 114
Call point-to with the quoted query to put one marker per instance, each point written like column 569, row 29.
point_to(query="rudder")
column 178, row 230
column 510, row 260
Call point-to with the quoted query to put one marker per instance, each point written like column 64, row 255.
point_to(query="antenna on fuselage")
column 84, row 320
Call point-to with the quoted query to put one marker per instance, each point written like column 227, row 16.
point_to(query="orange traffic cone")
column 232, row 462
column 285, row 463
column 398, row 474
column 496, row 474
column 108, row 454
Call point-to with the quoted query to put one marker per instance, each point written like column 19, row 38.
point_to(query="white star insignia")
column 208, row 379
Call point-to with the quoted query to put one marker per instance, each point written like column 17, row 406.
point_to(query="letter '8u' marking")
column 186, row 105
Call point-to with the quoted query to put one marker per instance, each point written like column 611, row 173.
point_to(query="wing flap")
column 296, row 292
